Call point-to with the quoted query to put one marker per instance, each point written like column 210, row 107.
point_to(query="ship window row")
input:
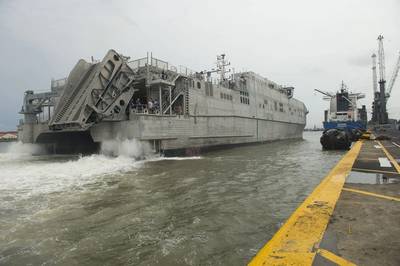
column 244, row 100
column 244, row 93
column 280, row 107
column 226, row 96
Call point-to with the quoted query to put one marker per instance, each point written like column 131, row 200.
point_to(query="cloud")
column 312, row 44
column 363, row 60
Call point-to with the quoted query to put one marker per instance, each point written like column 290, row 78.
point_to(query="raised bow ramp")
column 94, row 92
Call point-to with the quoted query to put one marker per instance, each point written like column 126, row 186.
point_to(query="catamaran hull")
column 168, row 135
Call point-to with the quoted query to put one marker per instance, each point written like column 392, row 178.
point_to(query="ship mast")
column 221, row 65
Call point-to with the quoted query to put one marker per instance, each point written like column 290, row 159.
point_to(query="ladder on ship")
column 176, row 92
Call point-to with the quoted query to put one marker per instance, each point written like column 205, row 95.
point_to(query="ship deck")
column 352, row 217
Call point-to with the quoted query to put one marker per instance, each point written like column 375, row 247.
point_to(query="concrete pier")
column 351, row 218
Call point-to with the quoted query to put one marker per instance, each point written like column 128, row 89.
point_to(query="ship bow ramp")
column 94, row 92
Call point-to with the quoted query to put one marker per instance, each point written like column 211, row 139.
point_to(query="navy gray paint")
column 97, row 103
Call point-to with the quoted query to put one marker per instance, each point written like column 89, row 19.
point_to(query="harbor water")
column 135, row 208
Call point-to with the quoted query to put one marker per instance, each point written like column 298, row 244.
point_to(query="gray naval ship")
column 175, row 109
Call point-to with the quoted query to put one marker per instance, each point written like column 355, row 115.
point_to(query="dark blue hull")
column 345, row 125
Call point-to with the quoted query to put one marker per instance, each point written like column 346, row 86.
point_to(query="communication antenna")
column 221, row 65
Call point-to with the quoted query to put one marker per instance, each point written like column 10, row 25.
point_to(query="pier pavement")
column 352, row 217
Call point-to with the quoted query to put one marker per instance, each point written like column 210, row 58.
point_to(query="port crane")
column 381, row 96
column 393, row 78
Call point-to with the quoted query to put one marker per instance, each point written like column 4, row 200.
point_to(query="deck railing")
column 152, row 61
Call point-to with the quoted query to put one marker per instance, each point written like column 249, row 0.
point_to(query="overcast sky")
column 307, row 44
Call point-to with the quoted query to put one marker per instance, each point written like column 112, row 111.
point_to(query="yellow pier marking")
column 371, row 194
column 374, row 171
column 334, row 258
column 390, row 157
column 296, row 242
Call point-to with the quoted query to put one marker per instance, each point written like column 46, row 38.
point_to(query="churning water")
column 126, row 206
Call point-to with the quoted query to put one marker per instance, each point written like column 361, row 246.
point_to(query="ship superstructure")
column 174, row 108
column 343, row 112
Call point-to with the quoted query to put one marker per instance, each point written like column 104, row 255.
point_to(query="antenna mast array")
column 221, row 64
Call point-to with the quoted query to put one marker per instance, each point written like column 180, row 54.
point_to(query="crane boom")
column 374, row 78
column 381, row 59
column 394, row 76
column 324, row 93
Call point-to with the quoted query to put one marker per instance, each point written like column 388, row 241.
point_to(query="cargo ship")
column 343, row 112
column 343, row 122
column 175, row 109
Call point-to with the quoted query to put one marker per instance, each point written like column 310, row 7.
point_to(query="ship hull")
column 175, row 111
column 172, row 135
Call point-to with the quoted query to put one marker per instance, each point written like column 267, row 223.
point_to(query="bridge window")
column 281, row 107
column 244, row 100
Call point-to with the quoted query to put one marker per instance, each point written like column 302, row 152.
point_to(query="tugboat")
column 344, row 122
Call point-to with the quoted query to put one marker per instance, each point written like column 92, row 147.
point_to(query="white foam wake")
column 18, row 150
column 20, row 170
column 50, row 176
column 128, row 147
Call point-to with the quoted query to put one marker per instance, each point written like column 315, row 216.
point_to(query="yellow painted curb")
column 297, row 241
column 390, row 157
